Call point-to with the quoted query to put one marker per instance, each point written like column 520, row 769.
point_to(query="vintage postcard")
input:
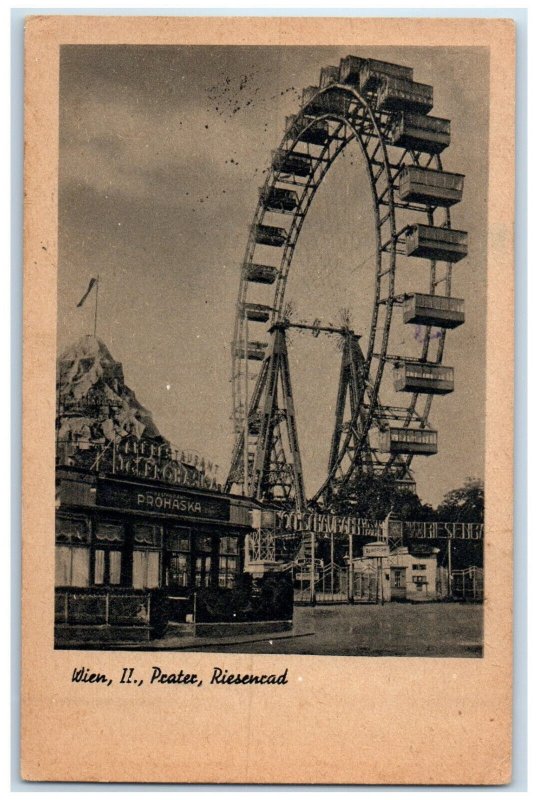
column 268, row 378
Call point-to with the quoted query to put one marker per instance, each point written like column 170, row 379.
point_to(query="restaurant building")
column 124, row 544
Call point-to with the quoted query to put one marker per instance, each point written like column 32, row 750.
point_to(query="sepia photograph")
column 271, row 332
column 267, row 505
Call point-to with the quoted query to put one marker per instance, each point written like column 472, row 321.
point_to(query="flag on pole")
column 86, row 293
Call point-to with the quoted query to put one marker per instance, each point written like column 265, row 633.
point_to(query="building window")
column 202, row 572
column 72, row 566
column 73, row 530
column 419, row 566
column 147, row 535
column 177, row 558
column 228, row 560
column 146, row 569
column 204, row 544
column 99, row 567
column 178, row 539
column 202, row 575
column 107, row 567
column 229, row 545
column 114, row 558
column 110, row 532
column 227, row 570
column 177, row 570
column 398, row 579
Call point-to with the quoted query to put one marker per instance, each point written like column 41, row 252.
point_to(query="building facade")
column 126, row 544
column 404, row 573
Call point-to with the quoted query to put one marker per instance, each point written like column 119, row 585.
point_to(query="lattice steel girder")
column 270, row 459
column 351, row 387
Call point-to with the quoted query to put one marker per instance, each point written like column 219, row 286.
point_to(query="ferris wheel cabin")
column 269, row 235
column 430, row 186
column 317, row 133
column 408, row 441
column 420, row 132
column 255, row 351
column 440, row 244
column 396, row 94
column 328, row 76
column 328, row 102
column 292, row 163
column 367, row 73
column 261, row 273
column 276, row 199
column 433, row 309
column 423, row 378
column 256, row 312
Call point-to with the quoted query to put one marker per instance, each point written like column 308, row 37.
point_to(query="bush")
column 269, row 598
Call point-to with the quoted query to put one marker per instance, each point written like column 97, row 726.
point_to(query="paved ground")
column 395, row 629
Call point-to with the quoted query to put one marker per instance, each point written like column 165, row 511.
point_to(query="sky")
column 162, row 152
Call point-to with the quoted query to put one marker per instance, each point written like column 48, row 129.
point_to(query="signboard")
column 137, row 497
column 375, row 550
column 313, row 522
column 158, row 467
column 471, row 531
column 324, row 524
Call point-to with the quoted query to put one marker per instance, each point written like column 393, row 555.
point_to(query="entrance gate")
column 327, row 583
column 365, row 586
column 468, row 584
column 330, row 584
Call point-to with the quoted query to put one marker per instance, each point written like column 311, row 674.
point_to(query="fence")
column 74, row 607
column 468, row 584
column 330, row 584
column 366, row 586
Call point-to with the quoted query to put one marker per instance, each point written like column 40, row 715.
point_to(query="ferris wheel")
column 385, row 393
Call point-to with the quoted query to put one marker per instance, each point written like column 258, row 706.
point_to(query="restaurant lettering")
column 117, row 494
column 166, row 471
column 168, row 503
column 325, row 523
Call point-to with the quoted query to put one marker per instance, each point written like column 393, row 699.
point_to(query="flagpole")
column 96, row 301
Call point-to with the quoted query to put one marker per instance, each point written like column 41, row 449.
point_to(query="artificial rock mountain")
column 93, row 401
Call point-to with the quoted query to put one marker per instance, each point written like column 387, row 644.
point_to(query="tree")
column 408, row 506
column 372, row 497
column 465, row 504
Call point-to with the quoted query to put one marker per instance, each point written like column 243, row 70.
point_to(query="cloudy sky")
column 162, row 151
